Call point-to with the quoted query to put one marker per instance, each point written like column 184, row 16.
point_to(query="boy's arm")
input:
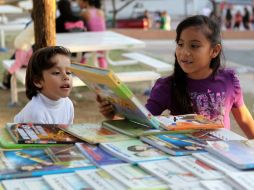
column 244, row 119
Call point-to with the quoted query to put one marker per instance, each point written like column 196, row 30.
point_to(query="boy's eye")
column 69, row 73
column 56, row 73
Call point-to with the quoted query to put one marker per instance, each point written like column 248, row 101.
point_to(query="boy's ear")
column 216, row 50
column 38, row 84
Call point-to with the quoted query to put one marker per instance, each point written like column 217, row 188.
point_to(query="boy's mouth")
column 65, row 86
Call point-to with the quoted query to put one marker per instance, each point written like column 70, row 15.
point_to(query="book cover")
column 188, row 121
column 7, row 142
column 197, row 167
column 32, row 133
column 100, row 179
column 97, row 155
column 214, row 162
column 241, row 180
column 26, row 184
column 134, row 129
column 134, row 177
column 169, row 172
column 37, row 162
column 175, row 144
column 216, row 185
column 133, row 151
column 238, row 153
column 93, row 133
column 106, row 84
column 68, row 181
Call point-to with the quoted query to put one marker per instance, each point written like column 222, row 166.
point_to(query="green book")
column 7, row 142
column 133, row 129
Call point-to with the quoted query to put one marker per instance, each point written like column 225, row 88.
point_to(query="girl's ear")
column 216, row 50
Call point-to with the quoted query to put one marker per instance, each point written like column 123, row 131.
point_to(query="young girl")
column 95, row 22
column 48, row 85
column 199, row 84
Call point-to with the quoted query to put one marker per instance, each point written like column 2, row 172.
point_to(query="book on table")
column 238, row 153
column 133, row 151
column 23, row 163
column 7, row 142
column 180, row 144
column 241, row 180
column 93, row 133
column 97, row 155
column 32, row 133
column 104, row 82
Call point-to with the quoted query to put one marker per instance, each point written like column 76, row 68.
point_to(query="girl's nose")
column 185, row 52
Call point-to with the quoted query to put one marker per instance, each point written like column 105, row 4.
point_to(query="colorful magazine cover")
column 32, row 133
column 37, row 162
column 106, row 84
column 175, row 144
column 7, row 142
column 97, row 155
column 239, row 153
column 93, row 133
column 188, row 121
column 133, row 151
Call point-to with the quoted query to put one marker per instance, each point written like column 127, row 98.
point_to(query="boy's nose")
column 66, row 77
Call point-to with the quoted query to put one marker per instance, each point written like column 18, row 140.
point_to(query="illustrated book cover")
column 175, row 144
column 97, row 155
column 106, row 84
column 133, row 151
column 93, row 133
column 32, row 133
column 7, row 142
column 37, row 162
column 134, row 129
column 134, row 177
column 238, row 153
column 188, row 121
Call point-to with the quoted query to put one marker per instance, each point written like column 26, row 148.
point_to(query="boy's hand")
column 105, row 107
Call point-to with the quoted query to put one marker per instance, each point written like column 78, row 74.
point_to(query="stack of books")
column 141, row 151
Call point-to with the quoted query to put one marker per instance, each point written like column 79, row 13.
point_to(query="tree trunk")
column 44, row 13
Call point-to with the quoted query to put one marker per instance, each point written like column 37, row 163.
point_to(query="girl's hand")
column 105, row 107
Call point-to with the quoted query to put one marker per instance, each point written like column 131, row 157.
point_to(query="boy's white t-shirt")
column 46, row 111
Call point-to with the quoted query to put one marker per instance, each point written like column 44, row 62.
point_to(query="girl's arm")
column 244, row 119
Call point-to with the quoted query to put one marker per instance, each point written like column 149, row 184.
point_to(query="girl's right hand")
column 105, row 107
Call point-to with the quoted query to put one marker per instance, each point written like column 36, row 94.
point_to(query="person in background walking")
column 95, row 21
column 228, row 19
column 238, row 20
column 246, row 19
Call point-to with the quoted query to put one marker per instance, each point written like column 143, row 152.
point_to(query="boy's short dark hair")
column 40, row 61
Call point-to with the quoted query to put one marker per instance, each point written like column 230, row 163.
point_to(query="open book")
column 106, row 84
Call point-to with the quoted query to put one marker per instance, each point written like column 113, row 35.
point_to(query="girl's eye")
column 180, row 44
column 194, row 46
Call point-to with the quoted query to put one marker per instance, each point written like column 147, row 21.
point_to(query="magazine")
column 97, row 155
column 197, row 167
column 32, row 133
column 93, row 133
column 188, row 121
column 106, row 84
column 238, row 153
column 7, row 142
column 134, row 177
column 26, row 184
column 99, row 179
column 133, row 151
column 37, row 162
column 134, row 129
column 176, row 144
column 169, row 172
column 70, row 181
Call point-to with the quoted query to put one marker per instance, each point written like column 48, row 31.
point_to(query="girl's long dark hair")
column 181, row 98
